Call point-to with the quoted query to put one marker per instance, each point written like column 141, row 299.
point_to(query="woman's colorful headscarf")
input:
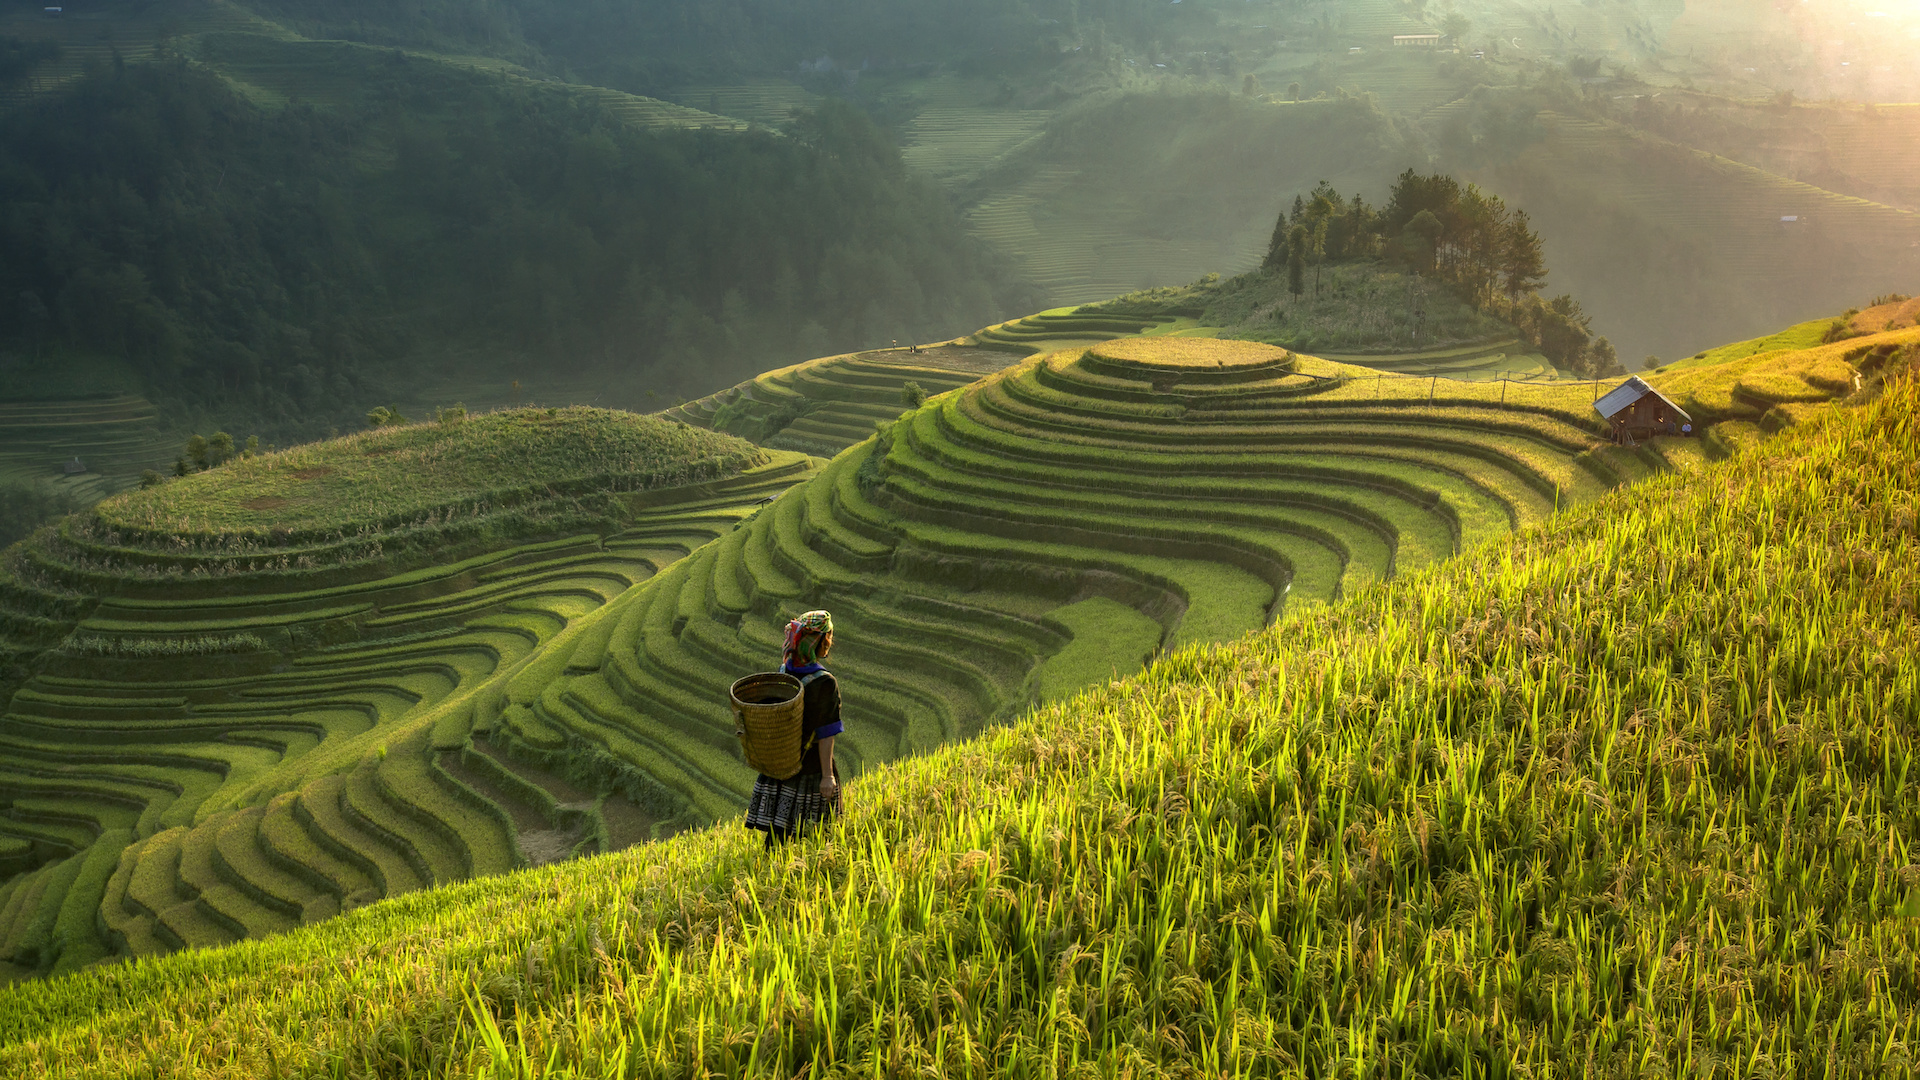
column 803, row 638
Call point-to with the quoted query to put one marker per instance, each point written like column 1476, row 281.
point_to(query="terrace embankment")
column 1061, row 521
column 241, row 701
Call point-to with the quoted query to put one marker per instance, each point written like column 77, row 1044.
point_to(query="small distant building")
column 52, row 12
column 1789, row 219
column 1635, row 410
column 75, row 466
column 1424, row 41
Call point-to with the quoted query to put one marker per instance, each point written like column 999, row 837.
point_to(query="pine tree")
column 1522, row 266
column 1297, row 242
column 1604, row 362
column 1277, row 245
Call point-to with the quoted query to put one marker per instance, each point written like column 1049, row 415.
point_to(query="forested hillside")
column 294, row 264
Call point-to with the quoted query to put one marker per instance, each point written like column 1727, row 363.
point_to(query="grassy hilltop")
column 1623, row 792
column 389, row 475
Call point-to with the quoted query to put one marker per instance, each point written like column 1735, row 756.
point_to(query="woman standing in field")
column 787, row 808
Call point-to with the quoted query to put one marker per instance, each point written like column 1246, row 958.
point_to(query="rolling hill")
column 304, row 229
column 423, row 653
column 1616, row 790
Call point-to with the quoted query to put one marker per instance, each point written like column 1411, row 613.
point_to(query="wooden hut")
column 1634, row 410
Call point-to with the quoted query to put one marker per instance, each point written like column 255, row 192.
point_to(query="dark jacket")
column 819, row 719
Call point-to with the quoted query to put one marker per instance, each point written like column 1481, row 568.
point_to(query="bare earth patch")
column 266, row 502
column 543, row 846
column 1895, row 316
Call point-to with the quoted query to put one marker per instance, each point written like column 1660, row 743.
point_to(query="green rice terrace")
column 824, row 406
column 1071, row 516
column 1359, row 312
column 240, row 701
column 1622, row 792
column 113, row 438
column 297, row 683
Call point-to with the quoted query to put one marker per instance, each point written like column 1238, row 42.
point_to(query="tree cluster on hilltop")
column 287, row 266
column 1436, row 227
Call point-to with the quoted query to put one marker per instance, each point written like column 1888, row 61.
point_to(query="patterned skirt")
column 789, row 806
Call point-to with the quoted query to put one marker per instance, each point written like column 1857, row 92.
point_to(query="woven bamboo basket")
column 766, row 720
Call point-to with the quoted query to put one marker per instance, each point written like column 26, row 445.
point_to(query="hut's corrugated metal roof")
column 1629, row 392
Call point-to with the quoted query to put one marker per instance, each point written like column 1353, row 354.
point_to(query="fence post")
column 1431, row 387
column 1503, row 393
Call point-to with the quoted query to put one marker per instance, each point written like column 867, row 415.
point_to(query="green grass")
column 1358, row 307
column 1627, row 791
column 386, row 476
column 824, row 406
column 1102, row 630
column 1804, row 335
column 1066, row 326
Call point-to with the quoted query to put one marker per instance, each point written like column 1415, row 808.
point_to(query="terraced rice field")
column 955, row 141
column 1485, row 820
column 1064, row 327
column 649, row 112
column 1509, row 359
column 115, row 438
column 769, row 101
column 1377, row 21
column 212, row 741
column 1059, row 521
column 824, row 406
